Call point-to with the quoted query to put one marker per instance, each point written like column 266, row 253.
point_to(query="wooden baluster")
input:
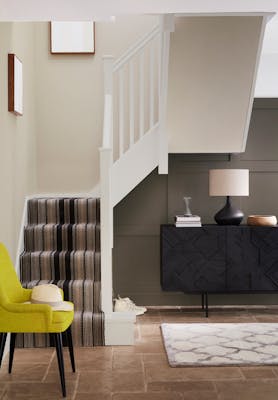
column 121, row 112
column 141, row 94
column 131, row 103
column 152, row 49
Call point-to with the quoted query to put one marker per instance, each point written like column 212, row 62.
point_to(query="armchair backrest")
column 10, row 287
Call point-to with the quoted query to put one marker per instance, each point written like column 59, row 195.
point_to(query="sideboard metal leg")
column 206, row 304
column 203, row 300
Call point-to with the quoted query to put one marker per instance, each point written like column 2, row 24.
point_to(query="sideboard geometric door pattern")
column 216, row 258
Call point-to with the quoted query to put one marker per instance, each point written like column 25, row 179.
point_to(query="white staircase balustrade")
column 136, row 85
column 134, row 137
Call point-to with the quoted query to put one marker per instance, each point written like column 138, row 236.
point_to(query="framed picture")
column 15, row 85
column 72, row 37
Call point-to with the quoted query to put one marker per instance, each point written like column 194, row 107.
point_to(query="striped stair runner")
column 62, row 246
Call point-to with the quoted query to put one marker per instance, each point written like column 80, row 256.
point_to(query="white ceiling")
column 270, row 43
column 46, row 10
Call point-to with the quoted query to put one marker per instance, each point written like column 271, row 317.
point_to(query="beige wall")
column 17, row 161
column 70, row 104
column 57, row 138
column 211, row 71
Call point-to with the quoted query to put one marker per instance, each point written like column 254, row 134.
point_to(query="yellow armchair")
column 18, row 317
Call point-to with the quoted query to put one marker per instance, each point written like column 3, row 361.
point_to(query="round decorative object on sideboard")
column 262, row 220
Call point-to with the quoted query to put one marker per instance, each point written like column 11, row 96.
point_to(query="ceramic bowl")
column 262, row 220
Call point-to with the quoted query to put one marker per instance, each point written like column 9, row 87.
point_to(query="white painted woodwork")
column 135, row 164
column 167, row 26
column 151, row 83
column 107, row 140
column 135, row 49
column 141, row 95
column 119, row 328
column 131, row 103
column 106, row 239
column 121, row 112
column 118, row 178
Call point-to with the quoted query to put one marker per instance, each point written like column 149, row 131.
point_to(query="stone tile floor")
column 141, row 372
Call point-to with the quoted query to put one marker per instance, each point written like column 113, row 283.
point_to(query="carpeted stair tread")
column 62, row 246
column 83, row 293
column 63, row 210
column 46, row 237
column 76, row 264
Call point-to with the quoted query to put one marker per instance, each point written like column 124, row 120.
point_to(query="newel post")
column 106, row 207
column 167, row 25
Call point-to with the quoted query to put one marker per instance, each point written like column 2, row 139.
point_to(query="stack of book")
column 182, row 221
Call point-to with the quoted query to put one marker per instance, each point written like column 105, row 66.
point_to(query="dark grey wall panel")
column 263, row 136
column 159, row 197
column 263, row 197
column 144, row 209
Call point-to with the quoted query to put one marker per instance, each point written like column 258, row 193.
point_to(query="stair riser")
column 84, row 294
column 60, row 265
column 62, row 237
column 63, row 211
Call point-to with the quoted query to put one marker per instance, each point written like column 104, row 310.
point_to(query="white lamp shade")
column 229, row 182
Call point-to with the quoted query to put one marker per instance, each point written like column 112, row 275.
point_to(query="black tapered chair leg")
column 3, row 337
column 70, row 346
column 11, row 355
column 60, row 359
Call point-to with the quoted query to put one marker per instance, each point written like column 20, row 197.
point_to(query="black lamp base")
column 229, row 215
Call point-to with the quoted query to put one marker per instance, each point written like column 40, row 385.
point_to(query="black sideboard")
column 219, row 259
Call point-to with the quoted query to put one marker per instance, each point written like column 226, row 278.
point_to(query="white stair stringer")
column 135, row 164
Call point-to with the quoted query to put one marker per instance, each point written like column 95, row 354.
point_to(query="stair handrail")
column 135, row 48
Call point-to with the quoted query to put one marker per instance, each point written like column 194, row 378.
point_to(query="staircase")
column 64, row 237
column 62, row 246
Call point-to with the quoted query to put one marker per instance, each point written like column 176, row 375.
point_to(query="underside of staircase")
column 62, row 246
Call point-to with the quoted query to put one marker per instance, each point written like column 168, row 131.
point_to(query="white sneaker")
column 129, row 301
column 126, row 305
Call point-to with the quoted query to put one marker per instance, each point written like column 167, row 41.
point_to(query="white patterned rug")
column 221, row 344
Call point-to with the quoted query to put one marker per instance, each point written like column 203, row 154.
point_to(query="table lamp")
column 229, row 182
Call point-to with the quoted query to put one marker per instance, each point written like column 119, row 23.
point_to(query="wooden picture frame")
column 68, row 37
column 15, row 85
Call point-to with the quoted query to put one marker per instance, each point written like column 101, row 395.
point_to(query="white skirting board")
column 119, row 329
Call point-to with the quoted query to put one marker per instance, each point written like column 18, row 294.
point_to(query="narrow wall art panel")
column 15, row 85
column 72, row 37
